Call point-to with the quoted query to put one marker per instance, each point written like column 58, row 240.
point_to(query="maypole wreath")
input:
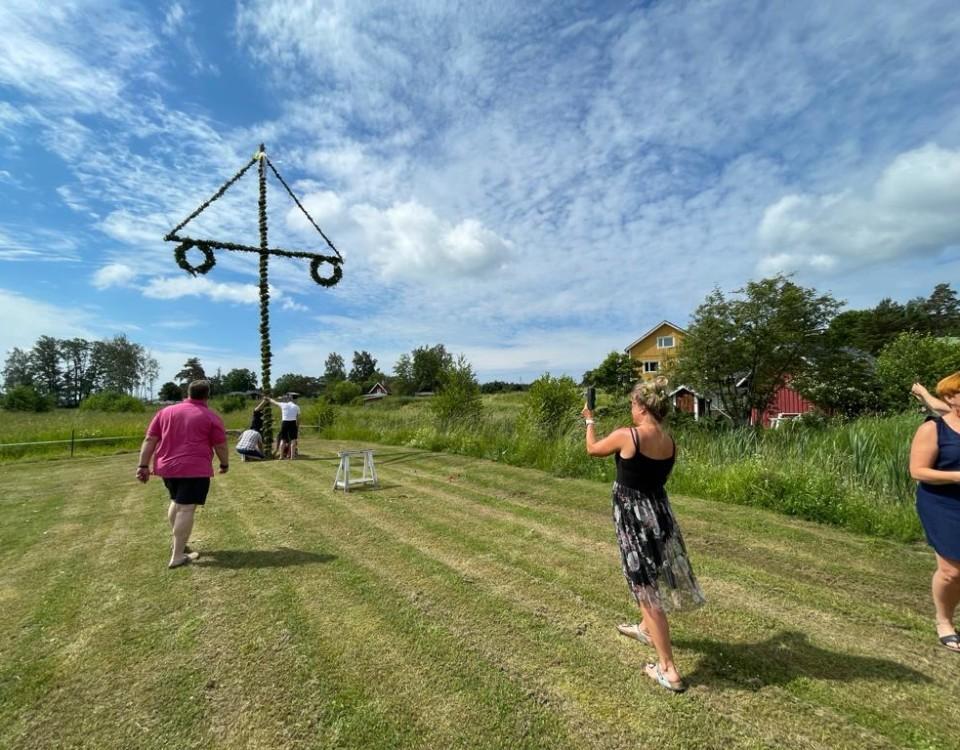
column 207, row 246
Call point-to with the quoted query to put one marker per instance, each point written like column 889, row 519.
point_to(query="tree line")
column 740, row 348
column 64, row 372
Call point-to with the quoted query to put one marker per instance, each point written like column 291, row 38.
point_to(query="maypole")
column 207, row 246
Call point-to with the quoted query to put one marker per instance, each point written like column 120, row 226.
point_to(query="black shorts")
column 288, row 430
column 188, row 490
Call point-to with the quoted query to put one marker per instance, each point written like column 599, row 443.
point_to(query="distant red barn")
column 786, row 404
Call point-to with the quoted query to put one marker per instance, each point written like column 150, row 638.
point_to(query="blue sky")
column 532, row 186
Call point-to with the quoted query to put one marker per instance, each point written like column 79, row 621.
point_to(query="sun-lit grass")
column 464, row 604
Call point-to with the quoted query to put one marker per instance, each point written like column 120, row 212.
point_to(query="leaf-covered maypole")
column 207, row 246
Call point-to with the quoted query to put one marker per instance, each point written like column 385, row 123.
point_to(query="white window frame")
column 661, row 339
column 654, row 362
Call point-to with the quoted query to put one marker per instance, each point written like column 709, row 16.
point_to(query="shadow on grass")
column 282, row 557
column 783, row 658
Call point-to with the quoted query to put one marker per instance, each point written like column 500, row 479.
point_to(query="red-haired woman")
column 935, row 464
column 652, row 552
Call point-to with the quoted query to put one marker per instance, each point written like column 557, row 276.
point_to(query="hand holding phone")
column 591, row 398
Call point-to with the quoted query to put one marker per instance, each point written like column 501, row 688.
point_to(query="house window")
column 664, row 342
column 651, row 365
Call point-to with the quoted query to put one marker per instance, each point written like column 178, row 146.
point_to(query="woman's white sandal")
column 635, row 632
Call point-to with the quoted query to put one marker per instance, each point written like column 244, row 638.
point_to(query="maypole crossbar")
column 207, row 246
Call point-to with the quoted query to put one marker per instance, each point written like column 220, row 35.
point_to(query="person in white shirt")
column 289, row 425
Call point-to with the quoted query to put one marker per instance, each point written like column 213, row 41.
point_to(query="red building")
column 786, row 404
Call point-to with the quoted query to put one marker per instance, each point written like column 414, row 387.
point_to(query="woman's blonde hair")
column 652, row 395
column 949, row 386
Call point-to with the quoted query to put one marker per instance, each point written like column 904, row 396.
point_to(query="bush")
column 458, row 401
column 552, row 406
column 319, row 414
column 26, row 398
column 229, row 404
column 112, row 401
column 913, row 358
column 344, row 392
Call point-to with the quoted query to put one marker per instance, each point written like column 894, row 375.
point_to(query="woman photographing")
column 935, row 464
column 652, row 552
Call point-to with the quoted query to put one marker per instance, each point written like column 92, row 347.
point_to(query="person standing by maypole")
column 289, row 425
column 935, row 464
column 652, row 553
column 181, row 441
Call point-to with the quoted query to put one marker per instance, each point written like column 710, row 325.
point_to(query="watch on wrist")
column 144, row 466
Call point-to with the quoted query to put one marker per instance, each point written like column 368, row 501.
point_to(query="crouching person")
column 250, row 446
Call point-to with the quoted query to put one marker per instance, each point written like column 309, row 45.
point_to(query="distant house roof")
column 687, row 388
column 661, row 323
column 379, row 388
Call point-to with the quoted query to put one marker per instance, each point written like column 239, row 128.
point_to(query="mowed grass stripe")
column 467, row 591
column 278, row 678
column 409, row 663
column 854, row 617
column 59, row 646
column 529, row 646
column 801, row 555
column 550, row 562
column 465, row 529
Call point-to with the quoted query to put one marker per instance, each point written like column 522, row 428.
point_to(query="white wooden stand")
column 343, row 479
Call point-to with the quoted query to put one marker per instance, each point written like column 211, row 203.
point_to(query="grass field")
column 465, row 604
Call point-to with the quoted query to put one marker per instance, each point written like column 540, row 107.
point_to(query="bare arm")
column 147, row 449
column 923, row 457
column 223, row 453
column 933, row 404
column 612, row 443
column 263, row 402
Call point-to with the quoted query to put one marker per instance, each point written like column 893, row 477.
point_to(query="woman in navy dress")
column 652, row 554
column 935, row 464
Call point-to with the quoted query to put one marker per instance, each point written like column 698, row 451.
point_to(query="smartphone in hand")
column 591, row 398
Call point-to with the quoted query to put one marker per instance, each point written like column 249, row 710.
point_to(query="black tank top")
column 640, row 472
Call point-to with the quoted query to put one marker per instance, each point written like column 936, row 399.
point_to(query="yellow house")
column 655, row 347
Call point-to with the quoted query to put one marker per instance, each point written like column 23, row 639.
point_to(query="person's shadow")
column 281, row 557
column 781, row 659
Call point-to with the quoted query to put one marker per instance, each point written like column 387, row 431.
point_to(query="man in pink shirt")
column 181, row 440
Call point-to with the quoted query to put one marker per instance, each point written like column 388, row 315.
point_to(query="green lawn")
column 464, row 604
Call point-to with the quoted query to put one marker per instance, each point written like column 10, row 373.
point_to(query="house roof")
column 677, row 390
column 661, row 323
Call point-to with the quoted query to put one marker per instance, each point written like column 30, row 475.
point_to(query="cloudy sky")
column 531, row 184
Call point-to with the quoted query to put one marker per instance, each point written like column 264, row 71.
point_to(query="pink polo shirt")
column 187, row 431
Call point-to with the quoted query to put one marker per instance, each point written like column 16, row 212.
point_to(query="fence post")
column 73, row 435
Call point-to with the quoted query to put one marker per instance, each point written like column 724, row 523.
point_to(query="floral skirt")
column 652, row 552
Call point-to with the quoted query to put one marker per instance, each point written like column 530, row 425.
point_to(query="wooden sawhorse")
column 343, row 480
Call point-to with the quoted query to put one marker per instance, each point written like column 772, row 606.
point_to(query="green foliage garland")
column 207, row 246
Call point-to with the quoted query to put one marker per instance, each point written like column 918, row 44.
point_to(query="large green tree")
column 742, row 348
column 239, row 379
column 616, row 374
column 364, row 368
column 192, row 370
column 17, row 369
column 334, row 369
column 914, row 358
column 305, row 385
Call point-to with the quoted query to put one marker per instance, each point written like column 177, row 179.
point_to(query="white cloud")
column 27, row 319
column 289, row 304
column 910, row 210
column 411, row 240
column 175, row 287
column 113, row 274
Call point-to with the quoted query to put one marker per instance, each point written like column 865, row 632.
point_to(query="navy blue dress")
column 938, row 505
